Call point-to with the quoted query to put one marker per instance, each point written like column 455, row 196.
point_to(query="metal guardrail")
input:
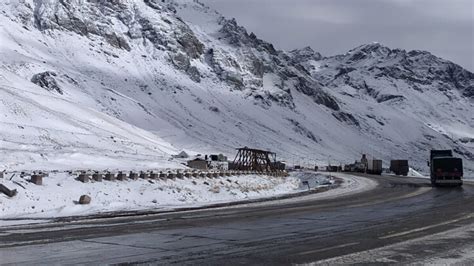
column 98, row 176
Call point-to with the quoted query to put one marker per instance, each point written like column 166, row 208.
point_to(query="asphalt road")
column 398, row 210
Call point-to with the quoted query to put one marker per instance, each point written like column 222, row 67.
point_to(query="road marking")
column 425, row 228
column 75, row 226
column 417, row 192
column 328, row 248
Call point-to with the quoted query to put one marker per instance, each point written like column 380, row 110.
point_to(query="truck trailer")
column 399, row 167
column 374, row 167
column 445, row 170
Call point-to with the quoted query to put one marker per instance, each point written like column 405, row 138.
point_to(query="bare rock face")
column 94, row 18
column 188, row 41
column 123, row 24
column 46, row 80
column 346, row 118
column 301, row 55
column 194, row 74
column 260, row 58
column 117, row 41
column 182, row 62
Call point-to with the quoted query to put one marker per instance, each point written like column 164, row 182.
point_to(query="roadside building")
column 198, row 163
column 217, row 162
column 181, row 155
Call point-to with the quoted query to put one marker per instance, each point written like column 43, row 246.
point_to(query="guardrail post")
column 133, row 175
column 84, row 177
column 154, row 175
column 110, row 176
column 121, row 176
column 144, row 175
column 97, row 177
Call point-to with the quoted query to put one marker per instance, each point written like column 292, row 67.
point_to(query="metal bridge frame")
column 254, row 160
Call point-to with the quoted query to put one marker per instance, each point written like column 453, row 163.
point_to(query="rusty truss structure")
column 248, row 159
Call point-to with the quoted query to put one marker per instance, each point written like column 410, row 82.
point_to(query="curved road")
column 397, row 212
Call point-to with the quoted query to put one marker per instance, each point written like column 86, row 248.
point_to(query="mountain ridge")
column 193, row 78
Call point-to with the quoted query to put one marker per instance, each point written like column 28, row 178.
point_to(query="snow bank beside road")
column 350, row 185
column 57, row 196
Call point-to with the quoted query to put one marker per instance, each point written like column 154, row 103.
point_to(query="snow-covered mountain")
column 127, row 83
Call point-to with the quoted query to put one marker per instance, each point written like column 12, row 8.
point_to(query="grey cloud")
column 445, row 28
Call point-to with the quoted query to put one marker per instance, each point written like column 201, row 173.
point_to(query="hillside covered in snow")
column 128, row 83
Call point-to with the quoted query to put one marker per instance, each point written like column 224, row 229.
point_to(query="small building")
column 182, row 155
column 218, row 165
column 198, row 163
column 217, row 162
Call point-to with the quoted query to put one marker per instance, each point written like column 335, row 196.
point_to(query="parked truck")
column 445, row 169
column 399, row 167
column 374, row 167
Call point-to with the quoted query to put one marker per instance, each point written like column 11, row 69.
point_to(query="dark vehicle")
column 347, row 167
column 279, row 165
column 399, row 167
column 445, row 169
column 374, row 167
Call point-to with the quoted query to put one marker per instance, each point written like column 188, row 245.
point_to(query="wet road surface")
column 397, row 210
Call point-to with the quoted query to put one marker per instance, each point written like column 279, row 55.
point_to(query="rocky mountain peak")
column 368, row 52
column 305, row 54
column 237, row 35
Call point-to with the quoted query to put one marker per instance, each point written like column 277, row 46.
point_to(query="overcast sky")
column 442, row 27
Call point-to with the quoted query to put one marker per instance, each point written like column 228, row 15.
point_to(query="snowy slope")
column 139, row 80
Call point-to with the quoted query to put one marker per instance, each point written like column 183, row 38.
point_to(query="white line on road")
column 425, row 228
column 75, row 226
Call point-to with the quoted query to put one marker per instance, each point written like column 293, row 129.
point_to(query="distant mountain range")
column 110, row 84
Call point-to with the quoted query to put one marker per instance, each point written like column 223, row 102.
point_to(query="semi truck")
column 399, row 167
column 374, row 167
column 445, row 169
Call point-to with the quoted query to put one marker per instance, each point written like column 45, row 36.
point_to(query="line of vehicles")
column 445, row 169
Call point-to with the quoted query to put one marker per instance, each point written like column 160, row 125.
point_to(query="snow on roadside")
column 351, row 185
column 412, row 172
column 58, row 195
